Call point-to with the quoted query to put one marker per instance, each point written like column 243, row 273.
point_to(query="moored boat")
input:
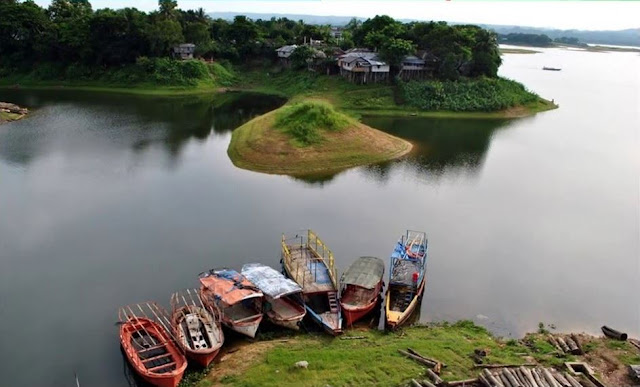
column 196, row 327
column 283, row 304
column 407, row 270
column 239, row 301
column 309, row 262
column 149, row 346
column 361, row 285
column 551, row 68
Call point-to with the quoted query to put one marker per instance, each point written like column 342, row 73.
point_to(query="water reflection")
column 440, row 145
column 137, row 122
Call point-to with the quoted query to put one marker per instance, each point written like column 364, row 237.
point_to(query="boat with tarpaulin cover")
column 149, row 345
column 239, row 301
column 361, row 285
column 309, row 262
column 196, row 326
column 282, row 304
column 407, row 269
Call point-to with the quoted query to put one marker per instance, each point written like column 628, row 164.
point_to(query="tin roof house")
column 184, row 50
column 363, row 67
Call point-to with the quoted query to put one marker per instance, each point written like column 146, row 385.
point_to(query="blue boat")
column 407, row 269
column 310, row 263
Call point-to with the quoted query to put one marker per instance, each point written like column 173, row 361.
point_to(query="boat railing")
column 316, row 246
column 191, row 298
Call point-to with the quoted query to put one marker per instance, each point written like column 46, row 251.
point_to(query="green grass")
column 306, row 121
column 4, row 116
column 375, row 360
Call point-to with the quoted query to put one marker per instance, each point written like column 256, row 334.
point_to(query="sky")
column 586, row 15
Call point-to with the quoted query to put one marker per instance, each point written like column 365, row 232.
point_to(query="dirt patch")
column 604, row 356
column 237, row 358
column 516, row 112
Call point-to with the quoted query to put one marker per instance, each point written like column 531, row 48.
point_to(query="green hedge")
column 481, row 94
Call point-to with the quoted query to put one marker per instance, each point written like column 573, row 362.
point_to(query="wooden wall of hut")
column 363, row 78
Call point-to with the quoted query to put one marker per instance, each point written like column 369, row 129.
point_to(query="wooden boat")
column 239, row 301
column 283, row 303
column 196, row 327
column 406, row 278
column 551, row 68
column 361, row 285
column 149, row 346
column 308, row 261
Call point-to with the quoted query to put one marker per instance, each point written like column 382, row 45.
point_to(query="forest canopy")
column 70, row 33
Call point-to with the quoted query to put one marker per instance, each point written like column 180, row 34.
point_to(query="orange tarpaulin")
column 228, row 285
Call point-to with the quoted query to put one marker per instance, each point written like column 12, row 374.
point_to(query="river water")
column 107, row 200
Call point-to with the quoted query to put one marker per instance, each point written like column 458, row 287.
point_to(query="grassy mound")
column 307, row 138
column 306, row 121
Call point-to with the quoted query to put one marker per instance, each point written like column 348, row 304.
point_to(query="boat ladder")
column 333, row 302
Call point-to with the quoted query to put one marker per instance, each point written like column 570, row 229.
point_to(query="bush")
column 222, row 75
column 481, row 94
column 305, row 121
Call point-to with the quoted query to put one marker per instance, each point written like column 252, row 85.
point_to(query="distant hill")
column 628, row 37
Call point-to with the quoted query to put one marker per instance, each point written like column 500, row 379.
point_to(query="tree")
column 393, row 50
column 167, row 8
column 163, row 35
column 300, row 56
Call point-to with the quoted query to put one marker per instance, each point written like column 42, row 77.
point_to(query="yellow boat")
column 407, row 270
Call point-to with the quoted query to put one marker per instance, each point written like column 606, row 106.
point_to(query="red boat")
column 149, row 347
column 361, row 285
column 196, row 327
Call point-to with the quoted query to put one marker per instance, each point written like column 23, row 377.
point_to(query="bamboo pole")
column 563, row 344
column 492, row 379
column 504, row 365
column 550, row 379
column 512, row 378
column 505, row 380
column 561, row 379
column 413, row 351
column 416, row 358
column 572, row 380
column 432, row 375
column 463, row 383
column 528, row 375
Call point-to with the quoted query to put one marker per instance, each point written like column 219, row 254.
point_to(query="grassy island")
column 309, row 137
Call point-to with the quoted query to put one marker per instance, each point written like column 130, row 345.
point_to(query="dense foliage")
column 535, row 40
column 69, row 36
column 484, row 94
column 305, row 121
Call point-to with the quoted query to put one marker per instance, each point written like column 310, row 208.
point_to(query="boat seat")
column 156, row 357
column 148, row 354
column 160, row 367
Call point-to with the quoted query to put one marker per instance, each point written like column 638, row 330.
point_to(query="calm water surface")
column 107, row 200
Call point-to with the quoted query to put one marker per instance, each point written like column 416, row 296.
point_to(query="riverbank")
column 309, row 137
column 10, row 112
column 370, row 357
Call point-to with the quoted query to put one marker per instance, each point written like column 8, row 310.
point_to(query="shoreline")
column 346, row 360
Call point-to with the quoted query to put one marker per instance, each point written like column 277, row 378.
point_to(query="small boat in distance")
column 283, row 303
column 308, row 261
column 149, row 346
column 551, row 68
column 361, row 285
column 406, row 278
column 239, row 301
column 196, row 327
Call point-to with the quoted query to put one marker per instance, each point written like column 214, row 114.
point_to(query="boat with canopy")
column 283, row 303
column 361, row 285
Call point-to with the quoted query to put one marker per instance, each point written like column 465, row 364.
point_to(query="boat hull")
column 203, row 358
column 352, row 313
column 168, row 379
column 247, row 328
column 394, row 319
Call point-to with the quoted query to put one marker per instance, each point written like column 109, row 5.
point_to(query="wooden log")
column 492, row 379
column 527, row 374
column 577, row 341
column 561, row 379
column 433, row 376
column 462, row 383
column 538, row 379
column 417, row 358
column 414, row 383
column 572, row 380
column 552, row 340
column 414, row 352
column 549, row 378
column 504, row 365
column 613, row 334
column 563, row 344
column 480, row 352
column 427, row 383
column 353, row 337
column 573, row 347
column 504, row 379
column 477, row 359
column 635, row 343
column 512, row 378
column 484, row 381
column 521, row 377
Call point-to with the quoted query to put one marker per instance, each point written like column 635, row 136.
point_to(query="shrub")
column 481, row 94
column 305, row 121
